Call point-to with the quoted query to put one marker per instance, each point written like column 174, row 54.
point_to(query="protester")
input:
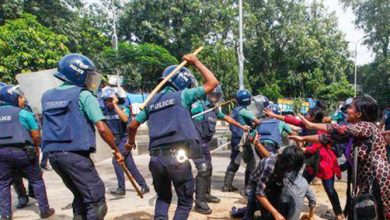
column 278, row 190
column 373, row 170
column 323, row 162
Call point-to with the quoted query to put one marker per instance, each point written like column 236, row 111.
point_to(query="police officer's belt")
column 13, row 146
column 166, row 151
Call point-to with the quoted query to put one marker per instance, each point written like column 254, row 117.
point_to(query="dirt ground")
column 133, row 208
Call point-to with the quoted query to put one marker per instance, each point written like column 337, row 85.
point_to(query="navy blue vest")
column 236, row 131
column 206, row 127
column 65, row 128
column 12, row 131
column 117, row 127
column 269, row 130
column 170, row 122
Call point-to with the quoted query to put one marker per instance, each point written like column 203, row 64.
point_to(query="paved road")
column 133, row 208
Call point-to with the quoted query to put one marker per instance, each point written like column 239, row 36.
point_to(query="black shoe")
column 202, row 208
column 229, row 189
column 23, row 202
column 6, row 218
column 48, row 213
column 237, row 212
column 145, row 189
column 119, row 192
column 212, row 199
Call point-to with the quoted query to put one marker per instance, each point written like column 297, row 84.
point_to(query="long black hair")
column 368, row 106
column 289, row 161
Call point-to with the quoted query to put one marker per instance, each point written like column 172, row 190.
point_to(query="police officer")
column 17, row 180
column 117, row 117
column 172, row 136
column 245, row 117
column 19, row 141
column 272, row 130
column 206, row 125
column 70, row 112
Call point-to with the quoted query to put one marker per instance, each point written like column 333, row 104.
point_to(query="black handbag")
column 364, row 205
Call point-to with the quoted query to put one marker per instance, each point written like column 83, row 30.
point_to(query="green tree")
column 178, row 26
column 26, row 45
column 64, row 17
column 141, row 64
column 223, row 62
column 292, row 48
column 372, row 16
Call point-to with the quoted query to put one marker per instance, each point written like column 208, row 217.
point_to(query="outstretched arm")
column 309, row 138
column 269, row 112
column 231, row 121
column 311, row 125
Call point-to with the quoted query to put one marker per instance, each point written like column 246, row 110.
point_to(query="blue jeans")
column 252, row 206
column 330, row 191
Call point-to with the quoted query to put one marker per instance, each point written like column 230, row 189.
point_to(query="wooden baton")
column 162, row 83
column 131, row 178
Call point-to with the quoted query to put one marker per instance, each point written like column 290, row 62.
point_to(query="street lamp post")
column 355, row 78
column 241, row 50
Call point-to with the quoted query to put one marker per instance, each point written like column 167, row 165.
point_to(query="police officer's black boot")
column 47, row 213
column 119, row 191
column 228, row 187
column 21, row 192
column 209, row 197
column 22, row 202
column 200, row 193
column 145, row 189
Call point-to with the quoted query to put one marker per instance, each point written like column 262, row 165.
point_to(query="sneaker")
column 145, row 189
column 48, row 213
column 119, row 192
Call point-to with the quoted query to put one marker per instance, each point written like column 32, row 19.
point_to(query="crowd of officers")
column 182, row 121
